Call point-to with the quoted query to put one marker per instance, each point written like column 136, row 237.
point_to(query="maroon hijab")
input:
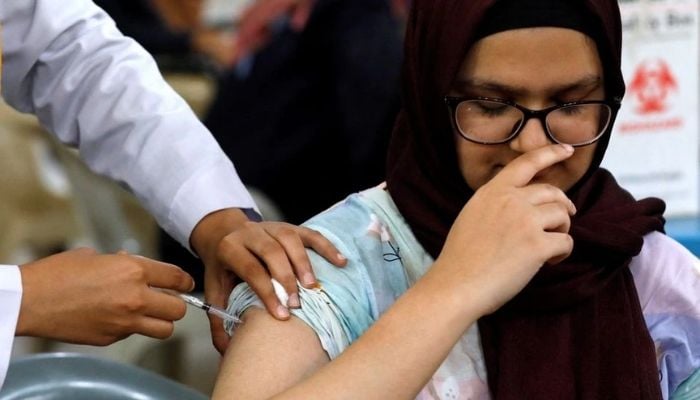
column 577, row 330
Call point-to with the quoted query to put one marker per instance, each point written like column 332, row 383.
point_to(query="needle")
column 214, row 310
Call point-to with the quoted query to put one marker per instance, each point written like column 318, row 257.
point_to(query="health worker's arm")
column 101, row 92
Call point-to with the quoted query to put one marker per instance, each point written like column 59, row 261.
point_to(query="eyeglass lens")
column 492, row 122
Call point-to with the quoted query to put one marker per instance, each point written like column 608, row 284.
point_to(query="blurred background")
column 306, row 120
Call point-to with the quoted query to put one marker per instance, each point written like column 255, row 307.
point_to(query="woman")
column 504, row 186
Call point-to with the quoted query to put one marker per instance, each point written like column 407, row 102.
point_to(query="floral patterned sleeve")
column 347, row 300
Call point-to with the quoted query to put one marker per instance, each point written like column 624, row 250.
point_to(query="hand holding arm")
column 233, row 247
column 83, row 297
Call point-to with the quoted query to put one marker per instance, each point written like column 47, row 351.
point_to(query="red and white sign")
column 654, row 150
column 651, row 84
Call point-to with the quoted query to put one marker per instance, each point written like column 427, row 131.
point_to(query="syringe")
column 282, row 296
column 214, row 310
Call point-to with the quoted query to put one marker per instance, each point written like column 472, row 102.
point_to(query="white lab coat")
column 95, row 89
column 10, row 297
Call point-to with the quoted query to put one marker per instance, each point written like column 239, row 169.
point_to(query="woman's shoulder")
column 347, row 224
column 371, row 218
column 345, row 218
column 665, row 273
column 667, row 277
column 664, row 263
column 370, row 213
column 659, row 247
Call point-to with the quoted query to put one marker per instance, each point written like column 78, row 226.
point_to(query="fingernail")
column 293, row 301
column 308, row 279
column 573, row 207
column 282, row 311
column 341, row 257
column 569, row 148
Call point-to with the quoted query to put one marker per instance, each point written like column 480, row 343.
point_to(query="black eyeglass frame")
column 453, row 101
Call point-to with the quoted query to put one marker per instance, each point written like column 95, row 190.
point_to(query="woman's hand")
column 508, row 230
column 232, row 247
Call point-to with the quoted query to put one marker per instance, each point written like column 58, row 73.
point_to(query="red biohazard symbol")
column 651, row 84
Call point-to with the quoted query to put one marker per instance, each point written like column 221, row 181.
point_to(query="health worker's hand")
column 80, row 296
column 232, row 248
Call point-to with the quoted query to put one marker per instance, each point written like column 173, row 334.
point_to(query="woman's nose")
column 531, row 137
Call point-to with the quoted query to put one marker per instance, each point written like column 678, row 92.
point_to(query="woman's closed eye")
column 490, row 108
column 571, row 110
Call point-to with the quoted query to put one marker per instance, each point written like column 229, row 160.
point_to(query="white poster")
column 654, row 150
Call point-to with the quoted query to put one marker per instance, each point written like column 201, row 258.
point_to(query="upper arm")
column 267, row 356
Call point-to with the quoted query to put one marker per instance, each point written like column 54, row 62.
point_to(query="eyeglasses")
column 487, row 120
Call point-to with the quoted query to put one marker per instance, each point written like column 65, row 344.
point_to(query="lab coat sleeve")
column 97, row 90
column 10, row 300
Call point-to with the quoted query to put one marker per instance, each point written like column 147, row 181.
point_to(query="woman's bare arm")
column 267, row 356
column 394, row 358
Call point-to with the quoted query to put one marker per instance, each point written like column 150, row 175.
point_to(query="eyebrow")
column 464, row 85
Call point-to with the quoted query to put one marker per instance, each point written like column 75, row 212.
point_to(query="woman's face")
column 536, row 68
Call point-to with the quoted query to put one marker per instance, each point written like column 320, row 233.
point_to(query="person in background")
column 253, row 30
column 329, row 96
column 99, row 91
column 499, row 260
column 146, row 23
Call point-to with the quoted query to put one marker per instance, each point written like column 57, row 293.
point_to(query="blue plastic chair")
column 66, row 376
